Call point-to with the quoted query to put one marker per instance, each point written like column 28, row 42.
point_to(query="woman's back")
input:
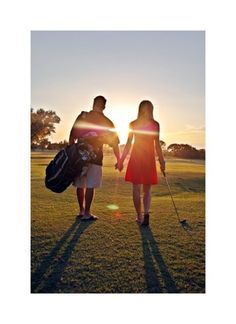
column 144, row 131
column 142, row 164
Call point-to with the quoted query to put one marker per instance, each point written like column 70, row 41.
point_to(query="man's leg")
column 80, row 197
column 88, row 199
column 89, row 194
column 93, row 180
column 137, row 201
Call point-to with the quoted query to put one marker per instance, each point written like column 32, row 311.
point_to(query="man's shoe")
column 89, row 217
column 80, row 215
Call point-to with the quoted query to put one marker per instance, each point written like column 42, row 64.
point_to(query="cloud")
column 193, row 135
column 189, row 129
column 195, row 128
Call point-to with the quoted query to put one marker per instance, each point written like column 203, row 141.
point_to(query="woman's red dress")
column 141, row 167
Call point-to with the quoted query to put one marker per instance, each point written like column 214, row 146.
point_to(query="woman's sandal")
column 145, row 220
column 139, row 219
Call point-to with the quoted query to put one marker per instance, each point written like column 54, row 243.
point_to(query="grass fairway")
column 114, row 254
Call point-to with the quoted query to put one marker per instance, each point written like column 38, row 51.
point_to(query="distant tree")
column 173, row 148
column 163, row 145
column 202, row 154
column 52, row 146
column 62, row 144
column 34, row 146
column 42, row 125
column 57, row 146
column 44, row 144
column 183, row 151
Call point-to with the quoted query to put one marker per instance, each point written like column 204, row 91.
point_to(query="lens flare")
column 117, row 215
column 86, row 125
column 144, row 132
column 112, row 207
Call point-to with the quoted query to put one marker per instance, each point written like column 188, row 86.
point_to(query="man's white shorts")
column 91, row 177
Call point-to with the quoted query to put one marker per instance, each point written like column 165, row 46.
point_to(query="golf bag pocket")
column 68, row 163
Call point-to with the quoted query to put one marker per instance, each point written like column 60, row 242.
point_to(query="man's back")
column 95, row 122
column 98, row 118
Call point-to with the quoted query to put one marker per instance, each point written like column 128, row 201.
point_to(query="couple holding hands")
column 141, row 171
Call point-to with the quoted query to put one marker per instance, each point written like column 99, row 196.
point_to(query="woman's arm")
column 160, row 154
column 127, row 147
column 125, row 152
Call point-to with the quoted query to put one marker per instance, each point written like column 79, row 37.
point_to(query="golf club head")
column 185, row 224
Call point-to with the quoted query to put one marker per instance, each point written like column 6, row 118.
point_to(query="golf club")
column 184, row 221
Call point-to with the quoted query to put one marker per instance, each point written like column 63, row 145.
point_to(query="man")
column 93, row 122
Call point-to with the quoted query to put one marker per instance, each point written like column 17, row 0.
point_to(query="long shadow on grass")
column 55, row 264
column 152, row 254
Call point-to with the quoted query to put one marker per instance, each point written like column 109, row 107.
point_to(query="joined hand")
column 119, row 165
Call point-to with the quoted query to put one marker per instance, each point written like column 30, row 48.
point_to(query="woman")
column 141, row 169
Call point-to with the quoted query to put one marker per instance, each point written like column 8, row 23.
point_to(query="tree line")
column 43, row 125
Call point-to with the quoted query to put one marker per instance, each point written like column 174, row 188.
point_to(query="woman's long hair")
column 145, row 110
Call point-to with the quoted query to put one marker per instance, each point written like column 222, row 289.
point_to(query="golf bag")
column 67, row 164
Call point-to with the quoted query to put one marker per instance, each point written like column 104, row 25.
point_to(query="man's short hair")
column 101, row 99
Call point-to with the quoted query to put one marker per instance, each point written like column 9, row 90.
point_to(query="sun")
column 122, row 129
column 121, row 116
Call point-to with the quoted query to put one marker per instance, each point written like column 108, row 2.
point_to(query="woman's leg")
column 146, row 198
column 137, row 200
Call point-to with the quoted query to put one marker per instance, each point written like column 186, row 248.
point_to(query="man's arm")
column 116, row 151
column 114, row 141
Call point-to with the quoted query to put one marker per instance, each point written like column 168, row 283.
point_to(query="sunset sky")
column 70, row 68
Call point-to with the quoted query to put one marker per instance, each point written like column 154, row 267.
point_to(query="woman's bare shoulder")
column 156, row 124
column 133, row 123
